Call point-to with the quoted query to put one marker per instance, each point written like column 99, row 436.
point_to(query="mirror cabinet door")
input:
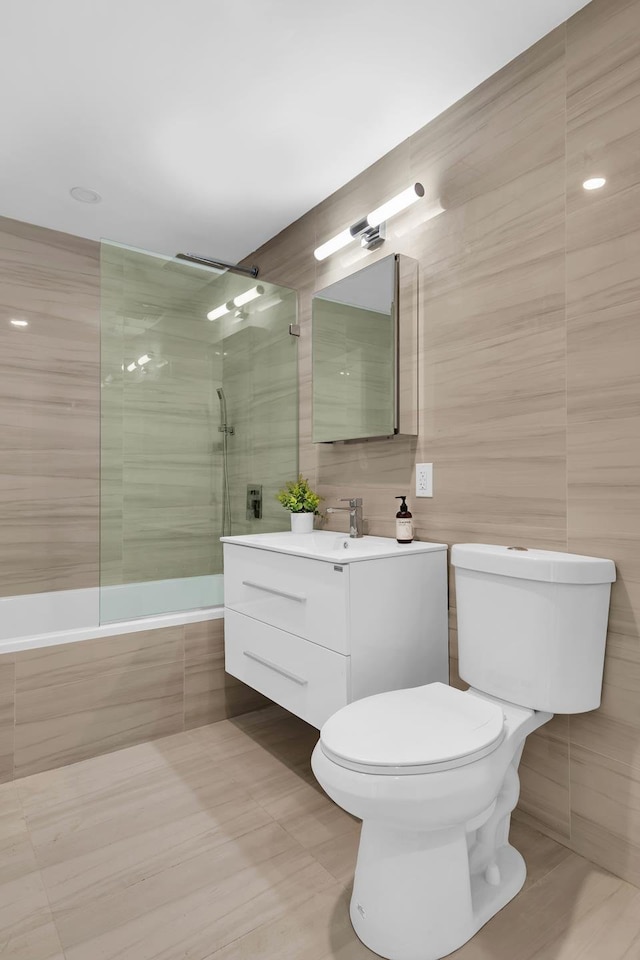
column 364, row 353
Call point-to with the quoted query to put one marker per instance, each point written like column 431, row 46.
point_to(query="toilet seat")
column 412, row 731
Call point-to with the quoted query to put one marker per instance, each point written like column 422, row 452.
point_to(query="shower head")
column 223, row 428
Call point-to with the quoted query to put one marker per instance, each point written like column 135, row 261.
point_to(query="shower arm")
column 195, row 258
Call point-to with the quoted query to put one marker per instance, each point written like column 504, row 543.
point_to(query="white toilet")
column 432, row 771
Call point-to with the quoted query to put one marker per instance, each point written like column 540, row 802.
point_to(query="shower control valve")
column 254, row 501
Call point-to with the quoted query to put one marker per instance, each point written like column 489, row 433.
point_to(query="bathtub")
column 64, row 616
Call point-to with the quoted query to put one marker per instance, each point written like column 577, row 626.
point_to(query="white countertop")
column 333, row 547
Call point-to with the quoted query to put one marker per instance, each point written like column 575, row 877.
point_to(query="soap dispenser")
column 404, row 522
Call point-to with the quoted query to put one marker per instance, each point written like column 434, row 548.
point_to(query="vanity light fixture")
column 131, row 367
column 143, row 359
column 370, row 230
column 238, row 301
column 19, row 323
column 594, row 183
column 332, row 246
column 395, row 205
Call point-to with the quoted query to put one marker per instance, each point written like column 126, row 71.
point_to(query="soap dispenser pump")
column 404, row 522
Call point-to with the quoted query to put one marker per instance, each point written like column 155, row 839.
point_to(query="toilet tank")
column 532, row 624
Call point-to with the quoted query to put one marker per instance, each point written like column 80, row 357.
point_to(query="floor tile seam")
column 310, row 850
column 577, row 856
column 285, row 909
column 153, row 763
column 103, row 739
column 568, row 852
column 331, row 882
column 276, row 820
column 210, row 748
column 150, row 873
column 156, row 766
column 85, row 798
column 72, row 763
column 52, row 917
column 89, row 799
column 335, row 883
column 245, row 752
column 121, row 841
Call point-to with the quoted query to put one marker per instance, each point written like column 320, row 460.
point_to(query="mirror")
column 364, row 353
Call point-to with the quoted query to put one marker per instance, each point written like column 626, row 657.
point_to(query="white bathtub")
column 64, row 616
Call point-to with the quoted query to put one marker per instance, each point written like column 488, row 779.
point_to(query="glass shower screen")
column 199, row 402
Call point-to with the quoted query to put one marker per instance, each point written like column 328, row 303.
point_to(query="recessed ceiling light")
column 84, row 195
column 19, row 323
column 594, row 183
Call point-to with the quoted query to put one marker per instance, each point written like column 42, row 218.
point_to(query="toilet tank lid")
column 527, row 564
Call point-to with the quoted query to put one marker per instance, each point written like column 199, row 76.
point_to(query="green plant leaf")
column 298, row 497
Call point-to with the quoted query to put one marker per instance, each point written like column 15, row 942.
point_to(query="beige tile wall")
column 529, row 363
column 49, row 410
column 68, row 702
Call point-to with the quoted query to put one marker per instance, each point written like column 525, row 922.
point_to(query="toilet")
column 432, row 771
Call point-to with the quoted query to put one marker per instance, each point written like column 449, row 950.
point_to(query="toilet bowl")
column 432, row 771
column 434, row 862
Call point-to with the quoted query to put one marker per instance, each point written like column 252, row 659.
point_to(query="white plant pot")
column 302, row 523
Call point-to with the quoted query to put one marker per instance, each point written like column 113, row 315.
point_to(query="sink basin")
column 333, row 547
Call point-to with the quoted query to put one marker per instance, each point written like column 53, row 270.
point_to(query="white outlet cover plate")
column 424, row 479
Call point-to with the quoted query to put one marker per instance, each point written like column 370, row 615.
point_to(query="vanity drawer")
column 306, row 679
column 299, row 595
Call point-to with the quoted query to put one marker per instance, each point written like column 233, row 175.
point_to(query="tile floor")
column 217, row 843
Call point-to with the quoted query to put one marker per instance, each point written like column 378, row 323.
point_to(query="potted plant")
column 301, row 502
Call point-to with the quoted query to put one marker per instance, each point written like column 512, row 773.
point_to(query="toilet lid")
column 421, row 729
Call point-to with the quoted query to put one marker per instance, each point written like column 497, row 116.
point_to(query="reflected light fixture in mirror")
column 370, row 230
column 238, row 301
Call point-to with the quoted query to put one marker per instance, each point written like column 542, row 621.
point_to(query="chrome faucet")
column 355, row 514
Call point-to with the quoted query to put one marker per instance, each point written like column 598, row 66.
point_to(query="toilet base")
column 413, row 898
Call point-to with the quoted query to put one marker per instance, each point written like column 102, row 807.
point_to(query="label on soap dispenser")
column 404, row 529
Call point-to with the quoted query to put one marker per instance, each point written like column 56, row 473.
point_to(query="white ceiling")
column 209, row 125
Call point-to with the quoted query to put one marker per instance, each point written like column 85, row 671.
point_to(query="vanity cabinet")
column 315, row 630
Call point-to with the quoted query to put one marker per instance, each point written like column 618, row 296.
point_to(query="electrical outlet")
column 424, row 479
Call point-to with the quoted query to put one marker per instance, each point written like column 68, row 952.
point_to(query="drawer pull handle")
column 278, row 593
column 274, row 666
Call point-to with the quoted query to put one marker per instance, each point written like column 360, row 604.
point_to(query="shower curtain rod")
column 195, row 258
